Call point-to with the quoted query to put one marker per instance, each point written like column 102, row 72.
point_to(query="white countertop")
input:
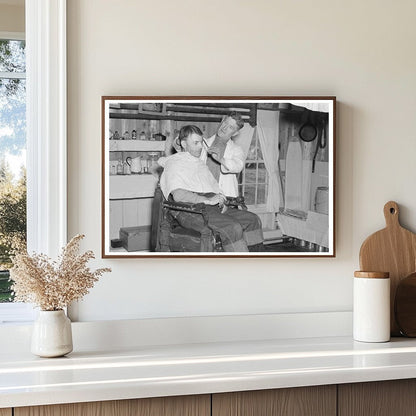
column 150, row 371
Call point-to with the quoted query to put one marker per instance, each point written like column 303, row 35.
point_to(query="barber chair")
column 169, row 236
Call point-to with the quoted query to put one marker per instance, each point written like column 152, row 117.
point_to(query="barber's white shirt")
column 234, row 164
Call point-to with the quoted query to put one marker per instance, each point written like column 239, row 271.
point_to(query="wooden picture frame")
column 282, row 162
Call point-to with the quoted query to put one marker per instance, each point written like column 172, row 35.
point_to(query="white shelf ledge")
column 155, row 371
column 136, row 146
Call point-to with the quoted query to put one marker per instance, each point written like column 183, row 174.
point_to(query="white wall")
column 363, row 52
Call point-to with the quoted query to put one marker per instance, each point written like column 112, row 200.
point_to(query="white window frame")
column 46, row 125
column 46, row 134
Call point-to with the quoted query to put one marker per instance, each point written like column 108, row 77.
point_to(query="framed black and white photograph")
column 218, row 176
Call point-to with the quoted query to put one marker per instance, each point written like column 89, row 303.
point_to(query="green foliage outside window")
column 12, row 224
column 12, row 144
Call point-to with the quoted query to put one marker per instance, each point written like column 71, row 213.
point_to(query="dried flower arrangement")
column 53, row 285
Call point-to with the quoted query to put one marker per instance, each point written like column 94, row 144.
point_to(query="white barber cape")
column 184, row 171
column 234, row 163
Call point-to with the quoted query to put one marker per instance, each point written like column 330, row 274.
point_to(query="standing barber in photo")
column 224, row 158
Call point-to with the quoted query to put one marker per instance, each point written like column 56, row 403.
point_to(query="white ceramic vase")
column 52, row 334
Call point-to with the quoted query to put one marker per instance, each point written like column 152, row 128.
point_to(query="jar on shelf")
column 145, row 165
column 134, row 135
column 153, row 157
column 142, row 136
column 126, row 135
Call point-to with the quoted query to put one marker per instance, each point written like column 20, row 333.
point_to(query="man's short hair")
column 238, row 118
column 186, row 131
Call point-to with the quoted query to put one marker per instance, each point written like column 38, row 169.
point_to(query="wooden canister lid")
column 372, row 275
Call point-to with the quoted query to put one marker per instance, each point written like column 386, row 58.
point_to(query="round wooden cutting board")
column 405, row 306
column 392, row 250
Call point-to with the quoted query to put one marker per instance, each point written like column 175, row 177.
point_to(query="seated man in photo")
column 188, row 179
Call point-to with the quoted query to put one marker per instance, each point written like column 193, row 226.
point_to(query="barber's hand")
column 215, row 153
column 216, row 156
column 223, row 205
column 216, row 199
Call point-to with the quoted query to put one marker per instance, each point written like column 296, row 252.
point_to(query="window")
column 46, row 135
column 254, row 179
column 12, row 155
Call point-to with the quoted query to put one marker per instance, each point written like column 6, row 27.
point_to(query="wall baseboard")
column 111, row 335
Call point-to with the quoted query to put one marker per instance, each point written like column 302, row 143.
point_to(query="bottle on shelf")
column 153, row 129
column 120, row 167
column 113, row 168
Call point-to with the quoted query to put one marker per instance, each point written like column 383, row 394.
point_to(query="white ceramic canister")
column 371, row 310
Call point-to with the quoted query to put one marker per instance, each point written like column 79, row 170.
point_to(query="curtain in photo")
column 268, row 133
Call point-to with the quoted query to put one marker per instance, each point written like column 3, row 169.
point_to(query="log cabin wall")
column 289, row 125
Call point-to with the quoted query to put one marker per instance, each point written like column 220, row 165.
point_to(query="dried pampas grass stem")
column 53, row 285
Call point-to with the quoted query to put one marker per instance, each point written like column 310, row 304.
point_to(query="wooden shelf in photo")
column 136, row 146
